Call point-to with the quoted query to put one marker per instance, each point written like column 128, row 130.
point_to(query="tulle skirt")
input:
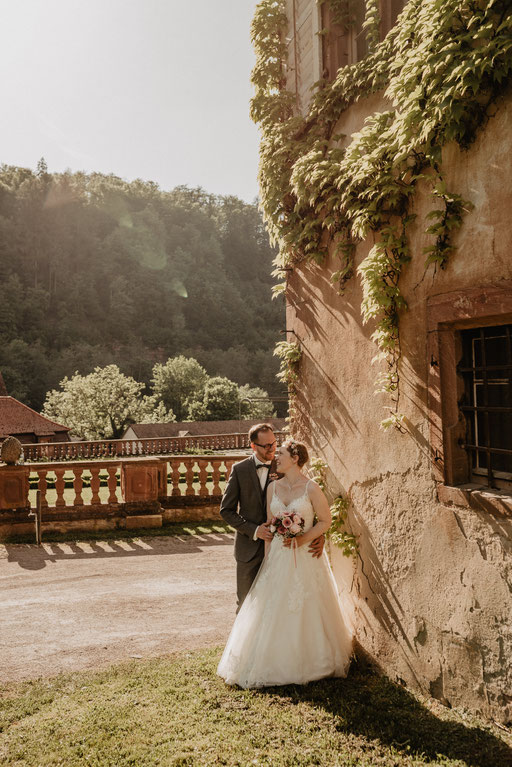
column 290, row 628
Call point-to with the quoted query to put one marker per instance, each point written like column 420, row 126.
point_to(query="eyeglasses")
column 267, row 446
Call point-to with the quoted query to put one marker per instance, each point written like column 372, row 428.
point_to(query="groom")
column 243, row 506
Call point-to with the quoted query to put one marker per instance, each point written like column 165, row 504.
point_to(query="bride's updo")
column 298, row 449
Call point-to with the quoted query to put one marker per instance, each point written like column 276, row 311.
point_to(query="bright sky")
column 151, row 89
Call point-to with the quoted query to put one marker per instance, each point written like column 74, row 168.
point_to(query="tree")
column 261, row 407
column 177, row 383
column 135, row 274
column 219, row 402
column 103, row 404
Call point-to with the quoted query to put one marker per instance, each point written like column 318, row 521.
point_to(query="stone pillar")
column 139, row 480
column 14, row 487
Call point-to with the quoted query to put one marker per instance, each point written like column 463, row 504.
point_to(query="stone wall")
column 431, row 593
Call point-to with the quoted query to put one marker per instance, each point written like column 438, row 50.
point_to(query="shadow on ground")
column 32, row 557
column 371, row 706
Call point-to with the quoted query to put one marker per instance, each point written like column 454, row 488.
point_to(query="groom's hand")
column 316, row 547
column 264, row 533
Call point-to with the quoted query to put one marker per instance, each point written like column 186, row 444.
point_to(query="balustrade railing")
column 120, row 448
column 97, row 483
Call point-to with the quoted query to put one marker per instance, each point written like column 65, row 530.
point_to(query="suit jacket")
column 243, row 506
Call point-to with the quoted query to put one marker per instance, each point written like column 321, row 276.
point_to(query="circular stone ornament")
column 11, row 450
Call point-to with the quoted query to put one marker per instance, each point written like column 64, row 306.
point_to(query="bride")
column 290, row 629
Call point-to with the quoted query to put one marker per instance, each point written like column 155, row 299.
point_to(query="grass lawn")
column 176, row 711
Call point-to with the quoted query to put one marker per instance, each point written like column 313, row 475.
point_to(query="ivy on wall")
column 441, row 67
column 337, row 533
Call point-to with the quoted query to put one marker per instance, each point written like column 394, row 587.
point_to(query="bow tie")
column 263, row 466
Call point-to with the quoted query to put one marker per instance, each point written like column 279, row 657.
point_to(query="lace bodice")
column 301, row 505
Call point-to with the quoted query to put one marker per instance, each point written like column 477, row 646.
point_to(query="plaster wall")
column 430, row 595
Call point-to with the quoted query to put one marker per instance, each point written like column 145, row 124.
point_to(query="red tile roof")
column 200, row 428
column 17, row 418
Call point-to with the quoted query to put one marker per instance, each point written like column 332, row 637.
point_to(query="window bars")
column 486, row 367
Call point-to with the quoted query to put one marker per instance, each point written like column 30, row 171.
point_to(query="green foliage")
column 337, row 532
column 441, row 67
column 95, row 271
column 290, row 353
column 260, row 406
column 103, row 404
column 319, row 468
column 175, row 711
column 177, row 383
column 218, row 403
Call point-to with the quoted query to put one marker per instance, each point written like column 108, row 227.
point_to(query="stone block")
column 144, row 520
column 13, row 487
column 139, row 481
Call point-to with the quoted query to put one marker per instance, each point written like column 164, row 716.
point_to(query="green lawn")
column 176, row 711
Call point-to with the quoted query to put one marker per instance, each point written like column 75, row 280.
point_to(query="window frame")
column 342, row 42
column 447, row 314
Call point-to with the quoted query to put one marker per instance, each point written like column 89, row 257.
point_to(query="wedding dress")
column 290, row 628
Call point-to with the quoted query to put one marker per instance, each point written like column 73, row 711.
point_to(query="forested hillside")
column 95, row 270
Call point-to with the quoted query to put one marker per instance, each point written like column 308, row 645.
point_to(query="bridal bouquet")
column 287, row 524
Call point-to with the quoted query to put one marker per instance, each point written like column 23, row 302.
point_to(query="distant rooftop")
column 198, row 428
column 17, row 418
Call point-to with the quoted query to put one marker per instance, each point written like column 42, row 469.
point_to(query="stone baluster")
column 60, row 486
column 228, row 463
column 174, row 466
column 163, row 470
column 189, row 475
column 78, row 486
column 43, row 487
column 203, row 476
column 95, row 485
column 216, row 462
column 112, row 484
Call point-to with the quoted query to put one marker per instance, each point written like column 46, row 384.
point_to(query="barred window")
column 486, row 368
column 344, row 40
column 389, row 12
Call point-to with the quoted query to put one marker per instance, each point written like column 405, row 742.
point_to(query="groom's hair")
column 255, row 430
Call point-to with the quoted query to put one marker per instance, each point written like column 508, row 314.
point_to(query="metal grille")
column 486, row 368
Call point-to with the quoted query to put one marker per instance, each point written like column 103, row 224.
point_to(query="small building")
column 197, row 428
column 20, row 421
column 385, row 178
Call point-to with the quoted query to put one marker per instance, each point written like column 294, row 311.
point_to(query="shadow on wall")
column 371, row 706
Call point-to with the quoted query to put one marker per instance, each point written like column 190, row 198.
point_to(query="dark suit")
column 243, row 507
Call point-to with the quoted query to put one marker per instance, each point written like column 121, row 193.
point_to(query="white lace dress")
column 290, row 629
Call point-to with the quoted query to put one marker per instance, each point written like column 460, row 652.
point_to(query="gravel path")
column 71, row 606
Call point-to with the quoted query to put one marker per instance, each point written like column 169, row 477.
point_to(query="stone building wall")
column 430, row 595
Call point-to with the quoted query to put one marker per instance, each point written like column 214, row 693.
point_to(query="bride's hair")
column 298, row 449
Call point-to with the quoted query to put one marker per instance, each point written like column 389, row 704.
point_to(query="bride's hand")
column 287, row 542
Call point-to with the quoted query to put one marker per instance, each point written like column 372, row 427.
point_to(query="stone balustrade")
column 120, row 448
column 99, row 494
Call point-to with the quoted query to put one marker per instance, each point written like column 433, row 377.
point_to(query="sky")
column 151, row 89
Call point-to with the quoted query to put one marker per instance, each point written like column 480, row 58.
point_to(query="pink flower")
column 287, row 513
column 295, row 529
column 297, row 519
column 287, row 522
column 281, row 530
column 273, row 520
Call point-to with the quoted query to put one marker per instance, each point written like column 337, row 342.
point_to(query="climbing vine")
column 441, row 67
column 337, row 533
column 290, row 353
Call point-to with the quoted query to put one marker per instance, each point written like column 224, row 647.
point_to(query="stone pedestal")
column 14, row 487
column 139, row 480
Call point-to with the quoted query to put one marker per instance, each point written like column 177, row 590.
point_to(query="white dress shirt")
column 262, row 476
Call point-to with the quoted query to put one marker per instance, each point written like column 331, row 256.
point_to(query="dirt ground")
column 71, row 606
